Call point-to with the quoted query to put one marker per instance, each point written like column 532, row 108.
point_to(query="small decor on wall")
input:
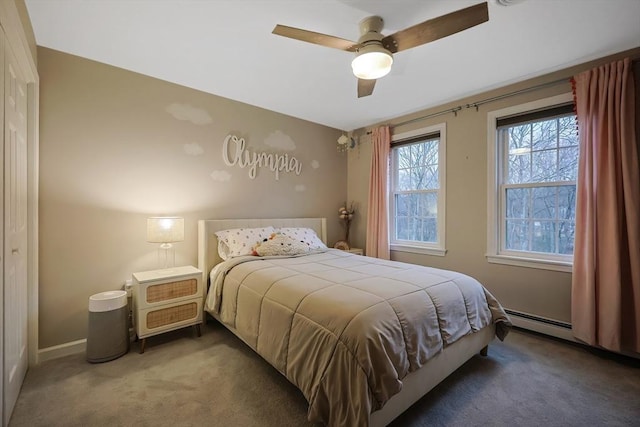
column 189, row 113
column 346, row 142
column 235, row 152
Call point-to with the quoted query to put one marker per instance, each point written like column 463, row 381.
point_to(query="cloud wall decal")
column 221, row 176
column 193, row 149
column 280, row 141
column 187, row 112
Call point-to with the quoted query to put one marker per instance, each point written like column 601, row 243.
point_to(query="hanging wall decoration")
column 346, row 142
column 235, row 152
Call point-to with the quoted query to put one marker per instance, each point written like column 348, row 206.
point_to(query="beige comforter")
column 346, row 329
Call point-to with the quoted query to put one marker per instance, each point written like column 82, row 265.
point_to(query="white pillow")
column 223, row 250
column 240, row 241
column 281, row 245
column 305, row 235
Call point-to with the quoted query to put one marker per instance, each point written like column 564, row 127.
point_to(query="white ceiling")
column 225, row 47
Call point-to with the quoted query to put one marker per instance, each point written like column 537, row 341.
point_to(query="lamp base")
column 166, row 256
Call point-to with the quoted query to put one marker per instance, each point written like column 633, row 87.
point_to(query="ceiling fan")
column 374, row 52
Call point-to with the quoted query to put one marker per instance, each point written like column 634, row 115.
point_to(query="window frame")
column 495, row 197
column 438, row 248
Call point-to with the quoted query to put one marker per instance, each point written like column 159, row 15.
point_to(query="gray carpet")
column 216, row 380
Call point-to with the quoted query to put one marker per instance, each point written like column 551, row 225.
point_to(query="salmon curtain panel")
column 606, row 262
column 378, row 208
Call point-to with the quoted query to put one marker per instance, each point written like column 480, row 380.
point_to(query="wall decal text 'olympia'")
column 235, row 152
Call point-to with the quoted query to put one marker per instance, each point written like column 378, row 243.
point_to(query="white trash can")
column 108, row 336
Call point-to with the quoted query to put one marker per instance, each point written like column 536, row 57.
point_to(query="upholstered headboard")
column 208, row 242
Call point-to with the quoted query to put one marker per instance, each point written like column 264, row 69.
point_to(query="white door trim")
column 16, row 38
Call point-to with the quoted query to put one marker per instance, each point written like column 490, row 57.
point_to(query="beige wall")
column 539, row 292
column 111, row 155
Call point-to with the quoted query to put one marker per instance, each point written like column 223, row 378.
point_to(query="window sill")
column 542, row 264
column 418, row 250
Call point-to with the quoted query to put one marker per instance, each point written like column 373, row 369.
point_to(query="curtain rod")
column 475, row 105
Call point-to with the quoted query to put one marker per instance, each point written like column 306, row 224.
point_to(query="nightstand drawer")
column 154, row 294
column 160, row 287
column 155, row 320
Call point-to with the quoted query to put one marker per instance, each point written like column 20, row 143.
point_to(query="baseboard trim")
column 62, row 350
column 542, row 325
column 519, row 319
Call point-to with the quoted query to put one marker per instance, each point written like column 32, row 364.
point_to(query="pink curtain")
column 606, row 263
column 378, row 210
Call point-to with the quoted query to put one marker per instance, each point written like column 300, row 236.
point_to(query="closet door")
column 15, row 232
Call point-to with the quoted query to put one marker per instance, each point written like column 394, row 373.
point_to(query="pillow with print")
column 303, row 234
column 240, row 241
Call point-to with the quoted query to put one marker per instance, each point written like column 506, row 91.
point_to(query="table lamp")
column 165, row 230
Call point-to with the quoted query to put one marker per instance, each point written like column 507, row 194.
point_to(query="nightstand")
column 165, row 300
column 356, row 251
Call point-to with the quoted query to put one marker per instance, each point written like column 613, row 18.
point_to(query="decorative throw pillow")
column 240, row 241
column 306, row 235
column 279, row 244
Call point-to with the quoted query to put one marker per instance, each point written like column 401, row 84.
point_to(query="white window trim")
column 493, row 254
column 417, row 249
column 438, row 248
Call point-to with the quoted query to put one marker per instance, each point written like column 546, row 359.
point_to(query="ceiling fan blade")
column 315, row 38
column 437, row 28
column 365, row 87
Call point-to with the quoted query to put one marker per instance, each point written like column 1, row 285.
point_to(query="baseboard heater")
column 543, row 325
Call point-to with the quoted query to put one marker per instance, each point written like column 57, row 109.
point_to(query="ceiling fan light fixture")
column 372, row 62
column 374, row 51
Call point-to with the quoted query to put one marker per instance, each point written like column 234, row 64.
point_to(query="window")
column 417, row 191
column 536, row 167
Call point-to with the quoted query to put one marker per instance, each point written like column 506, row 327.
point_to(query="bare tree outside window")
column 415, row 192
column 539, row 184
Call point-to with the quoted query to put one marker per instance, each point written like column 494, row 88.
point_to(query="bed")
column 358, row 346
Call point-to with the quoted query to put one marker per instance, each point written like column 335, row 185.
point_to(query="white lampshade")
column 165, row 229
column 373, row 61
